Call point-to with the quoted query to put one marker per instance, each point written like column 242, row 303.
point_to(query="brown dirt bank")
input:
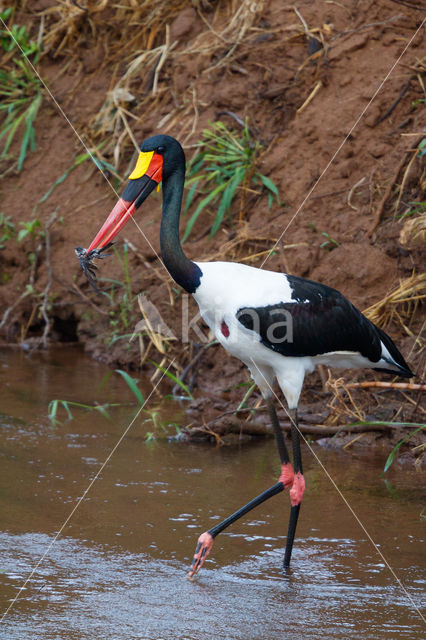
column 302, row 77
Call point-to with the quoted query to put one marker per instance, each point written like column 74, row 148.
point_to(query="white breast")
column 230, row 286
column 227, row 287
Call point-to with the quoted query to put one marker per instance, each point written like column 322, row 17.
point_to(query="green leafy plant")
column 225, row 166
column 329, row 242
column 7, row 229
column 55, row 405
column 30, row 229
column 132, row 383
column 101, row 164
column 16, row 37
column 165, row 429
column 121, row 300
column 188, row 395
column 415, row 103
column 416, row 208
column 33, row 231
column 20, row 89
column 405, row 439
column 243, row 403
column 67, row 405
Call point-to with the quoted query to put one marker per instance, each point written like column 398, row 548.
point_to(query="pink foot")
column 204, row 546
column 297, row 490
column 287, row 475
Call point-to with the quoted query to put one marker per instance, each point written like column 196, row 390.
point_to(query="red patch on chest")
column 225, row 329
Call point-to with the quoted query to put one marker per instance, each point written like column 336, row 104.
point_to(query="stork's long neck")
column 185, row 272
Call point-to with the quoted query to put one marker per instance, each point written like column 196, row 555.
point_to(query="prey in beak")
column 86, row 262
column 145, row 177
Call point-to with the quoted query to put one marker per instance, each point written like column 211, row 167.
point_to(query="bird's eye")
column 161, row 149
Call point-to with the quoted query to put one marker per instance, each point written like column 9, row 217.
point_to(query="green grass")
column 188, row 395
column 329, row 242
column 20, row 89
column 55, row 405
column 30, row 229
column 16, row 37
column 161, row 429
column 101, row 164
column 7, row 229
column 422, row 148
column 391, row 456
column 416, row 208
column 67, row 405
column 417, row 426
column 59, row 407
column 223, row 169
column 122, row 314
column 132, row 383
column 243, row 403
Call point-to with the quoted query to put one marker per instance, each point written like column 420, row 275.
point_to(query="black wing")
column 317, row 320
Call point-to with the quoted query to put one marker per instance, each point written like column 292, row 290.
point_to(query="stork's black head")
column 159, row 158
column 171, row 151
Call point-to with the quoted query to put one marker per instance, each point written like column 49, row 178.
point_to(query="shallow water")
column 117, row 569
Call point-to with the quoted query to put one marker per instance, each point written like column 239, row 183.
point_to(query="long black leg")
column 265, row 495
column 272, row 491
column 297, row 463
column 205, row 541
column 279, row 437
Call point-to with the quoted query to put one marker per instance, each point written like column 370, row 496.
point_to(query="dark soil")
column 333, row 161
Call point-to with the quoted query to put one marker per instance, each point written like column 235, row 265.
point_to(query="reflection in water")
column 118, row 570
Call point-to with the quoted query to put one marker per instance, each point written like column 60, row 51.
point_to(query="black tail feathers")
column 403, row 369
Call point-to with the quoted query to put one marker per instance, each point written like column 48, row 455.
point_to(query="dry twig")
column 45, row 300
column 379, row 384
column 380, row 208
column 388, row 191
column 342, row 405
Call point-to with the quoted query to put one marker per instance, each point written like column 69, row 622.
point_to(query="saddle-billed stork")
column 281, row 326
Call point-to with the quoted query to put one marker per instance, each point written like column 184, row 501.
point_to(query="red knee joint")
column 287, row 475
column 298, row 489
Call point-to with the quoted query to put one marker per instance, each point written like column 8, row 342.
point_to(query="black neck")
column 183, row 271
